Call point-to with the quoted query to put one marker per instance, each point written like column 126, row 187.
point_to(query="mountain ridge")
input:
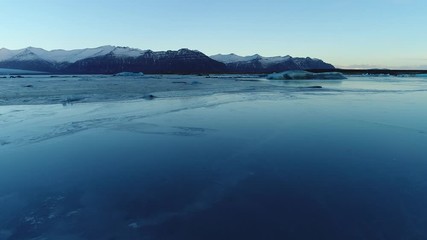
column 259, row 64
column 110, row 59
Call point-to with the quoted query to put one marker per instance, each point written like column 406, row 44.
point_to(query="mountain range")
column 260, row 64
column 112, row 59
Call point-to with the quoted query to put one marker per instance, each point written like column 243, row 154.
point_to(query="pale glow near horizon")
column 375, row 33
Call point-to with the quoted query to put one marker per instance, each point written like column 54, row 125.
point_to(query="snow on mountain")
column 184, row 52
column 265, row 61
column 80, row 54
column 109, row 60
column 68, row 56
column 26, row 55
column 7, row 54
column 128, row 52
column 76, row 55
column 112, row 59
column 233, row 58
column 230, row 58
column 257, row 63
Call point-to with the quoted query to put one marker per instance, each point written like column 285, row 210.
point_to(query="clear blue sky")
column 381, row 33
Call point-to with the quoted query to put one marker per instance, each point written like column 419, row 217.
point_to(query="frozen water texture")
column 231, row 157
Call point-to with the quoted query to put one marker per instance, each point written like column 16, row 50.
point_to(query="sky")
column 346, row 33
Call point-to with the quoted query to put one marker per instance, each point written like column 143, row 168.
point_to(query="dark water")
column 306, row 166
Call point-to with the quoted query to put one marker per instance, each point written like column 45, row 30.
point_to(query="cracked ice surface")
column 91, row 157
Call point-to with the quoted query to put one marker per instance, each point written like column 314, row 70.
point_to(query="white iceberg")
column 129, row 74
column 304, row 75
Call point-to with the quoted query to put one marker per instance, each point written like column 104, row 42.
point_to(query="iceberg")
column 424, row 75
column 418, row 75
column 304, row 75
column 129, row 74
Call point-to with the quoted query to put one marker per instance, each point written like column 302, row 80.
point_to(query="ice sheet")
column 224, row 157
column 91, row 88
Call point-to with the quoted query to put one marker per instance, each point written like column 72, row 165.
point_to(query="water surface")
column 347, row 161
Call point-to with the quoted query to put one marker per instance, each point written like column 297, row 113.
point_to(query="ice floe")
column 129, row 74
column 302, row 75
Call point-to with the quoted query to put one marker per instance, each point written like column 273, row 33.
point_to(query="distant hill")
column 111, row 60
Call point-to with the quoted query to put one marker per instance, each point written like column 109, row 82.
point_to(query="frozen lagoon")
column 238, row 157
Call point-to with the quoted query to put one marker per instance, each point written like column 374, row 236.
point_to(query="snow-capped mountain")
column 232, row 58
column 112, row 59
column 109, row 60
column 61, row 56
column 260, row 64
column 183, row 61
